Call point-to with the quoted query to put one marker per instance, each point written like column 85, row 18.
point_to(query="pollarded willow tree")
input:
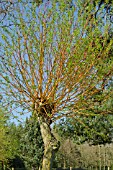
column 51, row 62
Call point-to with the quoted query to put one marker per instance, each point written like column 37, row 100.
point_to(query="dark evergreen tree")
column 12, row 138
column 95, row 130
column 32, row 144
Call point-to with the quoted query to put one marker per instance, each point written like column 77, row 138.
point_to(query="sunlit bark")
column 51, row 145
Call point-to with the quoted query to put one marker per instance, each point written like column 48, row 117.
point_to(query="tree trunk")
column 51, row 145
column 99, row 152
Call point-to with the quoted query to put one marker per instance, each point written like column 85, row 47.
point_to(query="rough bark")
column 51, row 145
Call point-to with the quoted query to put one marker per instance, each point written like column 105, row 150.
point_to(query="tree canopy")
column 38, row 53
column 8, row 142
column 3, row 141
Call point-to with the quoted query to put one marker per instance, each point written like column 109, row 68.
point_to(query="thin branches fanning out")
column 52, row 61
